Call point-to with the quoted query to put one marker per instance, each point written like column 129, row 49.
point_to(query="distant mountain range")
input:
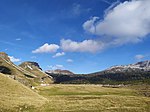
column 140, row 66
column 31, row 74
column 59, row 71
column 124, row 74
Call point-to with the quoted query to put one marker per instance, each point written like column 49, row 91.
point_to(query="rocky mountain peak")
column 143, row 63
column 139, row 66
column 30, row 65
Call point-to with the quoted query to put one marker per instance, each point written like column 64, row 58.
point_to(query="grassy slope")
column 14, row 95
column 39, row 74
column 18, row 72
column 92, row 98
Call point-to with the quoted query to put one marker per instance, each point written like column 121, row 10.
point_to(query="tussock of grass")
column 14, row 95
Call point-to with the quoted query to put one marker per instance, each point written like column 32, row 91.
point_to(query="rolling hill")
column 15, row 96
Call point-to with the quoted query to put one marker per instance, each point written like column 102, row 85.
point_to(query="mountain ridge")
column 20, row 74
column 30, row 73
column 59, row 71
column 133, row 73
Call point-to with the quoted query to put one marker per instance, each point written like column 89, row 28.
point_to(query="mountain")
column 59, row 71
column 140, row 66
column 31, row 74
column 15, row 95
column 20, row 74
column 34, row 68
column 17, row 73
column 121, row 74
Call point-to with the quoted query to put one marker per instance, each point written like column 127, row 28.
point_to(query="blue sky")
column 83, row 36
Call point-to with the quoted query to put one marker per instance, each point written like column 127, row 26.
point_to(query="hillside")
column 17, row 73
column 123, row 74
column 34, row 68
column 28, row 76
column 15, row 96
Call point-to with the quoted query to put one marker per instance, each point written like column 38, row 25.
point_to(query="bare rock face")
column 30, row 65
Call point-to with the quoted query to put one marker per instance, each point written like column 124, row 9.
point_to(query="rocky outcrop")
column 30, row 65
column 34, row 68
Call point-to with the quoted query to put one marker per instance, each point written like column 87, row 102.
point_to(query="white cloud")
column 47, row 48
column 128, row 22
column 54, row 67
column 13, row 59
column 89, row 25
column 18, row 39
column 59, row 54
column 84, row 46
column 114, row 4
column 139, row 57
column 69, row 60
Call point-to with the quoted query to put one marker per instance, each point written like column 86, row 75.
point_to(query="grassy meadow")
column 15, row 97
column 92, row 98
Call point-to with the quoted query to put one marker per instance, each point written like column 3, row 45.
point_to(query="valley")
column 26, row 88
column 74, row 55
column 80, row 98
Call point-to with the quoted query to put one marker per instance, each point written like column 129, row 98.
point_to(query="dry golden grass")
column 92, row 98
column 14, row 95
column 69, row 98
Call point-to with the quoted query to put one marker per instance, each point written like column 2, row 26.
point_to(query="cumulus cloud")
column 112, row 5
column 69, row 60
column 89, row 25
column 13, row 59
column 84, row 46
column 139, row 57
column 128, row 22
column 47, row 48
column 59, row 54
column 54, row 67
